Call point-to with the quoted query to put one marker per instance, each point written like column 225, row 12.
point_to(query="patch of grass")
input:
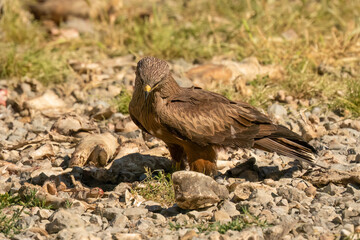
column 157, row 187
column 9, row 224
column 40, row 63
column 68, row 204
column 245, row 220
column 31, row 200
column 351, row 100
column 121, row 102
column 324, row 32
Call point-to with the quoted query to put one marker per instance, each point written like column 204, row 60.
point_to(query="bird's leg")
column 202, row 160
column 178, row 156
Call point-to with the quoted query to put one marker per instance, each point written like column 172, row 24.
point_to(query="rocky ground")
column 70, row 146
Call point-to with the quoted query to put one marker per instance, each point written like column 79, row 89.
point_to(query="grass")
column 121, row 102
column 245, row 220
column 326, row 32
column 157, row 187
column 9, row 224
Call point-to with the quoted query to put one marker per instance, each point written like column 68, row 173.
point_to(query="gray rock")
column 121, row 188
column 291, row 194
column 75, row 233
column 261, row 196
column 95, row 219
column 28, row 221
column 71, row 124
column 214, row 236
column 221, row 216
column 127, row 236
column 229, row 208
column 111, row 213
column 119, row 221
column 182, row 219
column 254, row 233
column 332, row 189
column 195, row 190
column 135, row 213
column 63, row 219
column 158, row 218
column 197, row 215
column 38, row 125
column 44, row 213
column 144, row 225
column 277, row 111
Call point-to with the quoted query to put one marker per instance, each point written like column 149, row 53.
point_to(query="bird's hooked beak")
column 147, row 90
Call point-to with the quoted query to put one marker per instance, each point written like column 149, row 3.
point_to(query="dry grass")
column 326, row 32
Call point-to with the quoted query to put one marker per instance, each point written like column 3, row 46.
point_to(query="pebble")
column 221, row 216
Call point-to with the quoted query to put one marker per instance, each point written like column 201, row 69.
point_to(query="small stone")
column 221, row 216
column 270, row 182
column 274, row 231
column 143, row 225
column 135, row 213
column 182, row 219
column 127, row 236
column 261, row 196
column 229, row 208
column 291, row 194
column 335, row 145
column 119, row 221
column 277, row 111
column 214, row 236
column 63, row 219
column 345, row 233
column 357, row 229
column 197, row 215
column 189, row 235
column 301, row 186
column 49, row 100
column 44, row 151
column 121, row 188
column 209, row 74
column 159, row 218
column 205, row 193
column 331, row 189
column 310, row 191
column 44, row 213
column 314, row 119
column 254, row 233
column 111, row 213
column 349, row 227
column 95, row 219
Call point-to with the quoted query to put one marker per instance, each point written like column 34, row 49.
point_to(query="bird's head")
column 150, row 74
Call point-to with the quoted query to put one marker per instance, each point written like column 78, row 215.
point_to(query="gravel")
column 38, row 137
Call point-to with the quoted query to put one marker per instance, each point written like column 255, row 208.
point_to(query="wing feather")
column 208, row 118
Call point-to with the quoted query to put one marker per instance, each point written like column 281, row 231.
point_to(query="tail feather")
column 287, row 143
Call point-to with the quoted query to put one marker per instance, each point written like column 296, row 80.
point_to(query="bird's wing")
column 208, row 118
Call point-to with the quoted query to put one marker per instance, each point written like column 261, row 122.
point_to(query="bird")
column 195, row 123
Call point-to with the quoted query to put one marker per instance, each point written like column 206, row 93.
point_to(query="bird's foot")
column 177, row 166
column 204, row 166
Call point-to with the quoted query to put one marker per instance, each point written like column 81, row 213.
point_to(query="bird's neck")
column 169, row 88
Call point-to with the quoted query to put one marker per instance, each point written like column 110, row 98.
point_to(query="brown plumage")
column 194, row 123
